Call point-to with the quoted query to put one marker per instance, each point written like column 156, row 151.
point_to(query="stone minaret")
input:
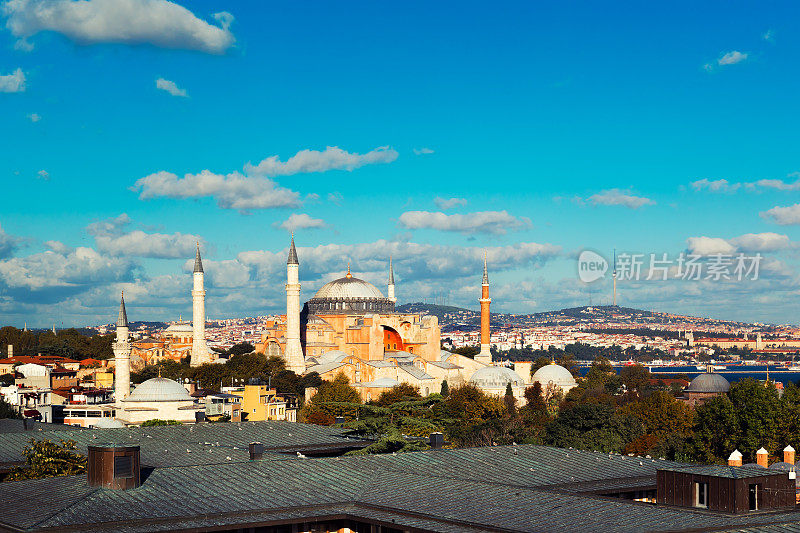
column 390, row 290
column 122, row 356
column 294, row 350
column 485, row 356
column 199, row 348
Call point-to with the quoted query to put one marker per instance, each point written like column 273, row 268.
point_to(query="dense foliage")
column 615, row 413
column 72, row 343
column 44, row 458
column 158, row 422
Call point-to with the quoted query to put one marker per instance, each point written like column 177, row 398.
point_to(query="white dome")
column 159, row 390
column 180, row 327
column 556, row 374
column 108, row 423
column 494, row 377
column 348, row 287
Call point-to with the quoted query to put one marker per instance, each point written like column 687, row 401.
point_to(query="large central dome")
column 349, row 295
column 348, row 287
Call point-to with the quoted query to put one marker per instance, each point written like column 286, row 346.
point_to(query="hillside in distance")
column 458, row 318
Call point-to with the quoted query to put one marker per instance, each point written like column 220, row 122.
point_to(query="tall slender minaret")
column 294, row 350
column 122, row 355
column 485, row 356
column 199, row 346
column 614, row 275
column 390, row 290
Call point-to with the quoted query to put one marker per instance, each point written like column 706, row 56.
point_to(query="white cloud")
column 170, row 87
column 731, row 58
column 157, row 22
column 43, row 174
column 225, row 19
column 761, row 242
column 8, row 244
column 449, row 203
column 423, row 151
column 59, row 247
column 784, row 216
column 779, row 185
column 13, row 83
column 721, row 185
column 34, row 117
column 232, row 191
column 620, row 197
column 254, row 189
column 496, row 222
column 412, row 261
column 332, row 158
column 747, row 243
column 298, row 221
column 335, row 197
column 71, row 272
column 768, row 35
column 709, row 246
column 113, row 239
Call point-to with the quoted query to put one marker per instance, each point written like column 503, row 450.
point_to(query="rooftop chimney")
column 762, row 457
column 735, row 458
column 114, row 467
column 256, row 451
column 788, row 455
column 436, row 440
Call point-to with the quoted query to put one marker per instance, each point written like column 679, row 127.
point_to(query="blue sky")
column 554, row 126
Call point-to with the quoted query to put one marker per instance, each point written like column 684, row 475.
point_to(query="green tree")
column 7, row 410
column 403, row 391
column 158, row 422
column 445, row 388
column 44, row 458
column 635, row 377
column 335, row 398
column 593, row 427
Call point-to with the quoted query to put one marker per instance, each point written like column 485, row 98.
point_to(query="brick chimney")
column 735, row 459
column 788, row 455
column 762, row 457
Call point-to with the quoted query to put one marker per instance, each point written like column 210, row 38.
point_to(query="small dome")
column 386, row 383
column 333, row 356
column 556, row 374
column 493, row 377
column 348, row 287
column 784, row 467
column 108, row 423
column 159, row 390
column 709, row 382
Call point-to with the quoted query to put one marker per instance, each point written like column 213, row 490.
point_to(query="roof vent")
column 114, row 467
column 436, row 440
column 256, row 451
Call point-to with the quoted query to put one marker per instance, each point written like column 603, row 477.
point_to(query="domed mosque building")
column 349, row 326
column 156, row 398
column 705, row 386
column 554, row 378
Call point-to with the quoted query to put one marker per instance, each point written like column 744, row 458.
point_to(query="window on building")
column 701, row 494
column 123, row 466
column 755, row 496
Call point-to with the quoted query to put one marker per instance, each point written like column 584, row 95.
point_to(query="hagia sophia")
column 347, row 327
